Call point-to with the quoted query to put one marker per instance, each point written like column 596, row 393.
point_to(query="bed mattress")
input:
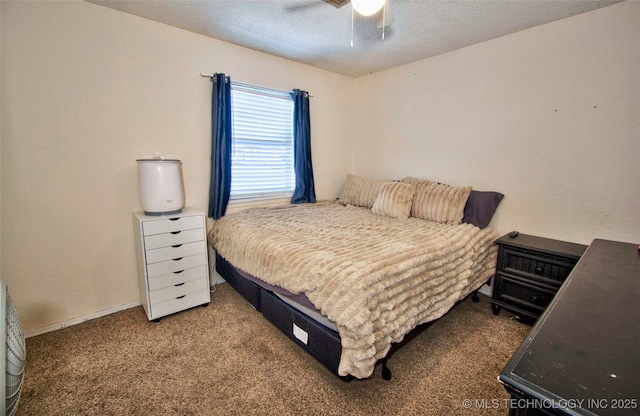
column 311, row 331
column 242, row 282
column 374, row 277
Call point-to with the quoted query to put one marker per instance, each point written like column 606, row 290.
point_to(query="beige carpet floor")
column 226, row 359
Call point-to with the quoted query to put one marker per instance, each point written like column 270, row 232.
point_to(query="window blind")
column 262, row 149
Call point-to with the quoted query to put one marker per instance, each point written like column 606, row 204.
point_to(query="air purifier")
column 160, row 183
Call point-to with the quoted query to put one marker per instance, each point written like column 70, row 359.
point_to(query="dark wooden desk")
column 582, row 357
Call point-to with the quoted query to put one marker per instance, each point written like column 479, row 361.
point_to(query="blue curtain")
column 220, row 183
column 305, row 189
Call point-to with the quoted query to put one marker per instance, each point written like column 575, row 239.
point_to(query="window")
column 262, row 149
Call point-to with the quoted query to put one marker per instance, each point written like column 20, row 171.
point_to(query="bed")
column 347, row 279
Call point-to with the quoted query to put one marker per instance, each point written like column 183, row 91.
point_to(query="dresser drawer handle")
column 180, row 297
column 179, row 284
column 178, row 259
column 175, row 232
column 534, row 299
column 539, row 270
column 178, row 272
column 176, row 246
column 174, row 219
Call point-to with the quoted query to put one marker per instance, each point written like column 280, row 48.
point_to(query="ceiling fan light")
column 367, row 7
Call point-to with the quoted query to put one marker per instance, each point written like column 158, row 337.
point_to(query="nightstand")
column 529, row 272
column 173, row 269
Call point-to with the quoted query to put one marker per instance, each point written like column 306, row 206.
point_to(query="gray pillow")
column 480, row 207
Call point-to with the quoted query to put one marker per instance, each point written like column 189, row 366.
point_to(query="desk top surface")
column 586, row 346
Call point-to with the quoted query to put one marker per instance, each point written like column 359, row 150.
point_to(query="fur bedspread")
column 376, row 277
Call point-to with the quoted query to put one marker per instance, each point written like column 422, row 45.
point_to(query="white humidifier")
column 160, row 182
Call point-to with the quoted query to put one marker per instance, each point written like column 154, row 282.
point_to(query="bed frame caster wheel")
column 386, row 372
column 474, row 297
column 156, row 320
column 346, row 378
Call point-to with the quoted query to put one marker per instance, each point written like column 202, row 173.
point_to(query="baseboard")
column 217, row 279
column 79, row 320
column 214, row 277
column 487, row 289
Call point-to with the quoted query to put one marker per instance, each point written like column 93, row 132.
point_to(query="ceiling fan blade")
column 385, row 14
column 301, row 6
column 336, row 3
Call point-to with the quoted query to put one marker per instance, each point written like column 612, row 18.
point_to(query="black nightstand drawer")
column 526, row 296
column 529, row 272
column 547, row 269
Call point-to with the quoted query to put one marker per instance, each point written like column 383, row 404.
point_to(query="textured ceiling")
column 316, row 33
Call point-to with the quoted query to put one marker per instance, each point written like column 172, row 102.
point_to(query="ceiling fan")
column 378, row 8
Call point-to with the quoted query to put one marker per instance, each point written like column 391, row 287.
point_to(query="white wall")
column 85, row 91
column 0, row 144
column 549, row 116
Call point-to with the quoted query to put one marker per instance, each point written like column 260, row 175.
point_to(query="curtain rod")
column 249, row 85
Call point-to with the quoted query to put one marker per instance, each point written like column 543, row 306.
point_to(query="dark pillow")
column 480, row 207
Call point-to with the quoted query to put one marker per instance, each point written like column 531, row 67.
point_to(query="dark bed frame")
column 323, row 343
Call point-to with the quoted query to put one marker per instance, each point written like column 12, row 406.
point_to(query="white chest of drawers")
column 173, row 269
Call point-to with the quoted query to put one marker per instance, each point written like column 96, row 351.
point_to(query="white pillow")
column 438, row 202
column 360, row 191
column 394, row 200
